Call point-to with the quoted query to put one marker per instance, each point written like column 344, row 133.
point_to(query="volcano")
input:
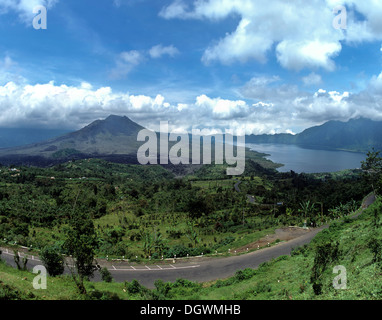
column 114, row 138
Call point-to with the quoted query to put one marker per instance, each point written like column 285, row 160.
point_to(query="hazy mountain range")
column 355, row 135
column 115, row 139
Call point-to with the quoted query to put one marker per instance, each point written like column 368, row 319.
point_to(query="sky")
column 253, row 66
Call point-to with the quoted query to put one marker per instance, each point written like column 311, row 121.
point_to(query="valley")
column 187, row 223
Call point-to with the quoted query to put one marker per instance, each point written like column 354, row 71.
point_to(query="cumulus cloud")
column 52, row 105
column 301, row 32
column 266, row 105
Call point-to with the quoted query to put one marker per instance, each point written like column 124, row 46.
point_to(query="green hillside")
column 94, row 209
column 354, row 244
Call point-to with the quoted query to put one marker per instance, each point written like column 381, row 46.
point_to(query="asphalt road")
column 200, row 270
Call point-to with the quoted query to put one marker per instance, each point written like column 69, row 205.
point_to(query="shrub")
column 11, row 293
column 103, row 295
column 178, row 251
column 133, row 287
column 245, row 274
column 52, row 260
column 297, row 251
column 325, row 253
column 184, row 283
column 106, row 275
column 262, row 287
column 162, row 290
column 375, row 246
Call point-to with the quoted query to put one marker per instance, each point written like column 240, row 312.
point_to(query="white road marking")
column 20, row 255
column 160, row 268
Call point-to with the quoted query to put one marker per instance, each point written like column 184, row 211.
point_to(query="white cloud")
column 159, row 50
column 312, row 79
column 268, row 89
column 300, row 31
column 307, row 54
column 24, row 8
column 131, row 57
column 125, row 62
column 267, row 105
column 239, row 45
column 10, row 71
column 176, row 9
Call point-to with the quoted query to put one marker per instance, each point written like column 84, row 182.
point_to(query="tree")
column 52, row 260
column 148, row 243
column 192, row 234
column 306, row 208
column 16, row 258
column 325, row 254
column 81, row 243
column 372, row 168
column 159, row 243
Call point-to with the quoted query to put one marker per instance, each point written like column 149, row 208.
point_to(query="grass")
column 21, row 282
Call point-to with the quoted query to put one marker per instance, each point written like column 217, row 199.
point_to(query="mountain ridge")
column 357, row 135
column 113, row 136
column 115, row 139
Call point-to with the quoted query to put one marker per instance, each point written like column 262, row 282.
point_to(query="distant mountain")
column 355, row 135
column 110, row 138
column 115, row 139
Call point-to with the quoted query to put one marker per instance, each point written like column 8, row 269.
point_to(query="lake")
column 309, row 160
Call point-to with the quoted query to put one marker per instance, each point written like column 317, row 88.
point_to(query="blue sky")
column 256, row 66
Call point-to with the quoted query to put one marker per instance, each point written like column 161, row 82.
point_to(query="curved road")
column 201, row 270
column 250, row 198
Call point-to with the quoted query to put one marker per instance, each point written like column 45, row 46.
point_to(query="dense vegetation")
column 144, row 212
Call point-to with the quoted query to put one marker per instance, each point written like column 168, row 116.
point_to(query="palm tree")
column 334, row 212
column 148, row 243
column 192, row 234
column 306, row 208
column 159, row 243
